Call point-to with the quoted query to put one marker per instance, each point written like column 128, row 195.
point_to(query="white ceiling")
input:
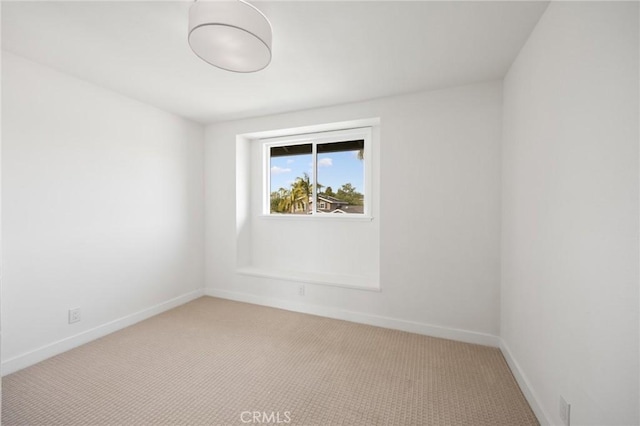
column 324, row 52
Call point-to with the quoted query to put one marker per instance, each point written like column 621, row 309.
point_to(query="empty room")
column 320, row 213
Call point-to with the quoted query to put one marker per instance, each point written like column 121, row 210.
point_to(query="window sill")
column 346, row 281
column 329, row 217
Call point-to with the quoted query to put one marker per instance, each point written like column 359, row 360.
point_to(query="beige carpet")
column 215, row 362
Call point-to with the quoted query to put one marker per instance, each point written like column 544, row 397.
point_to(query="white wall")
column 102, row 201
column 570, row 213
column 1, row 267
column 439, row 215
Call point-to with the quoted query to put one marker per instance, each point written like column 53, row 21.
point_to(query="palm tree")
column 295, row 199
column 302, row 190
column 281, row 200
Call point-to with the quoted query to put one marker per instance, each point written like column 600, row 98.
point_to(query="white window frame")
column 363, row 133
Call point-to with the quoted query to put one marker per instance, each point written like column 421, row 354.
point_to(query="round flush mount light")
column 232, row 35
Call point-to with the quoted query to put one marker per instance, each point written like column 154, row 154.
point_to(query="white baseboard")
column 524, row 384
column 33, row 357
column 362, row 318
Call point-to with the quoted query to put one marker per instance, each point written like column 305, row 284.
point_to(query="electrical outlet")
column 74, row 315
column 301, row 290
column 565, row 412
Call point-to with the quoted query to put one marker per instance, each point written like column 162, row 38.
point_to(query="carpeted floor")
column 217, row 362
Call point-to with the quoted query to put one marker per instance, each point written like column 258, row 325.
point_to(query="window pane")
column 341, row 177
column 290, row 172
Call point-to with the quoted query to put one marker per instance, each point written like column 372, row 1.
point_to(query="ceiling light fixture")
column 232, row 35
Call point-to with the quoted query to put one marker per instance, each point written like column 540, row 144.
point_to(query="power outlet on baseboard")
column 301, row 290
column 74, row 315
column 565, row 412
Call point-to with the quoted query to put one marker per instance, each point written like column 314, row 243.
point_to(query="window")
column 331, row 246
column 318, row 174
